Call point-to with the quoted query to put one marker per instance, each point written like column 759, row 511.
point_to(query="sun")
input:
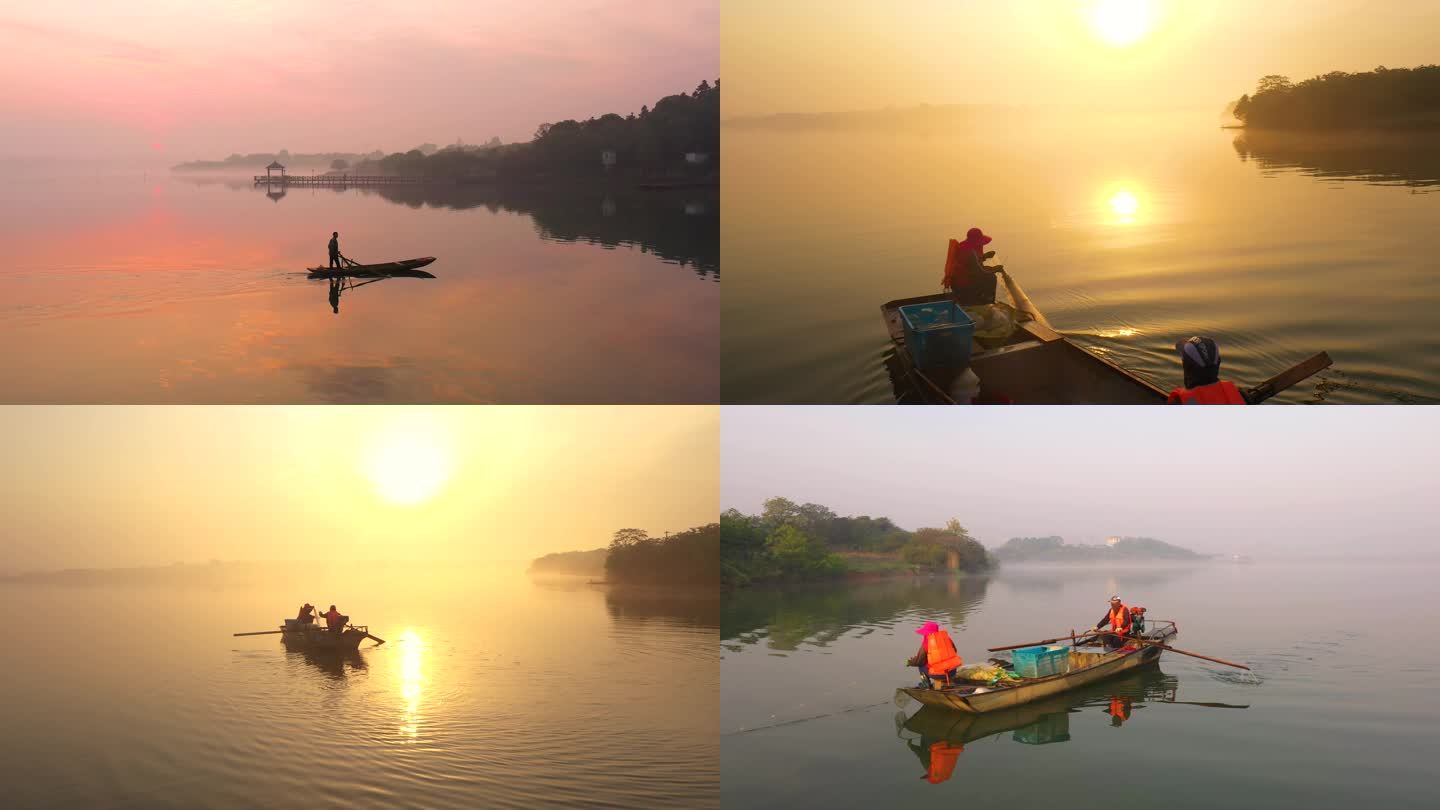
column 409, row 466
column 1124, row 203
column 1121, row 23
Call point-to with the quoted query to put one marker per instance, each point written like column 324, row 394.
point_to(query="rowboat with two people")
column 1042, row 669
column 964, row 347
column 303, row 632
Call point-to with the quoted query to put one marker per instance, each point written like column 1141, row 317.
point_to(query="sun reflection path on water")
column 412, row 682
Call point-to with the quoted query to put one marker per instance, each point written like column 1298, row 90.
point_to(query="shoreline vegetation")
column 1380, row 99
column 790, row 542
column 676, row 141
column 634, row 559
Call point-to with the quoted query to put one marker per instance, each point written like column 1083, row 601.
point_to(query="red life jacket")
column 1120, row 620
column 1120, row 707
column 940, row 654
column 943, row 756
column 1219, row 393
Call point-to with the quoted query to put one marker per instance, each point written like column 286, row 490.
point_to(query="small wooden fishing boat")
column 1086, row 666
column 316, row 637
column 405, row 268
column 1035, row 366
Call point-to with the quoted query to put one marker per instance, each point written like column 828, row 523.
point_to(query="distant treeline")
column 790, row 541
column 577, row 563
column 1381, row 98
column 1055, row 549
column 677, row 139
column 688, row 558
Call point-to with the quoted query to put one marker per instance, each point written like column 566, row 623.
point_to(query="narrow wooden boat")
column 317, row 637
column 1035, row 366
column 405, row 268
column 1087, row 666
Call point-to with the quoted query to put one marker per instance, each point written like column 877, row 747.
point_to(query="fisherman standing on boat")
column 937, row 657
column 1118, row 617
column 1200, row 357
column 335, row 620
column 966, row 276
column 335, row 250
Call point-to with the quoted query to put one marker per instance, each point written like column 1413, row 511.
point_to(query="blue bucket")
column 938, row 334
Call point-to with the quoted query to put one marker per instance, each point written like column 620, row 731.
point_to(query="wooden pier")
column 344, row 180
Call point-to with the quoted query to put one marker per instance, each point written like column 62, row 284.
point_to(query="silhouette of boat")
column 315, row 637
column 405, row 268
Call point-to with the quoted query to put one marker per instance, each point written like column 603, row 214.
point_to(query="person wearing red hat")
column 966, row 276
column 937, row 657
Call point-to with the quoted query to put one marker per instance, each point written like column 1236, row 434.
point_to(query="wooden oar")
column 1287, row 378
column 1022, row 301
column 378, row 641
column 1182, row 652
column 261, row 633
column 1070, row 637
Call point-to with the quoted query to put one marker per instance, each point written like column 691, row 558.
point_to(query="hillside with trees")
column 676, row 139
column 571, row 563
column 1383, row 98
column 790, row 542
column 689, row 558
column 1123, row 549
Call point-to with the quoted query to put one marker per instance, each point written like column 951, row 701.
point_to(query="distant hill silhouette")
column 1387, row 98
column 1128, row 549
column 575, row 563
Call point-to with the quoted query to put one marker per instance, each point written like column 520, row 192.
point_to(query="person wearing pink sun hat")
column 937, row 657
column 966, row 276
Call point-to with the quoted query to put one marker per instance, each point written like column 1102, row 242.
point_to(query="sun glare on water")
column 1121, row 23
column 408, row 467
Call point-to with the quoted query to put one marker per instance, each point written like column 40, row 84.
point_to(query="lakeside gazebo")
column 272, row 167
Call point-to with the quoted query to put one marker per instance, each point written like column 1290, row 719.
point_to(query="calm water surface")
column 1338, row 713
column 143, row 289
column 491, row 692
column 1128, row 234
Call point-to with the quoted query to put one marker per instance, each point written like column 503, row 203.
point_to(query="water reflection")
column 412, row 683
column 338, row 664
column 937, row 737
column 631, row 606
column 1375, row 158
column 785, row 619
column 679, row 226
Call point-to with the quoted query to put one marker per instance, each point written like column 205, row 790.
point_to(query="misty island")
column 1383, row 98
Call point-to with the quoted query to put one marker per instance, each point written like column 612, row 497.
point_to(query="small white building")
column 697, row 158
column 607, row 158
column 1111, row 541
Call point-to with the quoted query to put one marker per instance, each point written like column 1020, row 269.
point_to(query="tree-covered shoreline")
column 678, row 139
column 1383, row 98
column 790, row 542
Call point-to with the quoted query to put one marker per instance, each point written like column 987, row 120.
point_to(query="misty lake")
column 162, row 289
column 490, row 691
column 1339, row 711
column 1129, row 233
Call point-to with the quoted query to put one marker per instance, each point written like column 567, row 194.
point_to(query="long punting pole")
column 261, row 633
column 1070, row 637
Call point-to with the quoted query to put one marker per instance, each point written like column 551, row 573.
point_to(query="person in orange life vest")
column 966, row 276
column 335, row 620
column 1118, row 617
column 1119, row 710
column 1200, row 358
column 937, row 656
column 307, row 614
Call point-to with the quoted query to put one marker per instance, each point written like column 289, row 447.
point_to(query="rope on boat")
column 803, row 719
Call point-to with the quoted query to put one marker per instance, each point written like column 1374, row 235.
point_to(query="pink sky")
column 184, row 79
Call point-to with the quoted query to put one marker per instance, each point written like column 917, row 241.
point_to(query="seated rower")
column 307, row 614
column 967, row 278
column 1118, row 617
column 335, row 620
column 937, row 657
column 1200, row 357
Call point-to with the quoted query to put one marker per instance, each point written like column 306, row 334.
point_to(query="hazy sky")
column 123, row 486
column 817, row 55
column 185, row 79
column 1255, row 480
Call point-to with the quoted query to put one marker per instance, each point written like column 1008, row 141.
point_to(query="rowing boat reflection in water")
column 345, row 278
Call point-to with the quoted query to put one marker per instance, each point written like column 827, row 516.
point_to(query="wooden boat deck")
column 1086, row 667
column 1036, row 366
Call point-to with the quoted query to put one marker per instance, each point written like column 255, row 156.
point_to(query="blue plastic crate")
column 938, row 334
column 1040, row 662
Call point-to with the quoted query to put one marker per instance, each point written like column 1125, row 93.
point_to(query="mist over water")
column 490, row 690
column 1336, row 713
column 1129, row 232
column 147, row 288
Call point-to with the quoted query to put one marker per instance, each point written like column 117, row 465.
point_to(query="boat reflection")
column 337, row 664
column 938, row 736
